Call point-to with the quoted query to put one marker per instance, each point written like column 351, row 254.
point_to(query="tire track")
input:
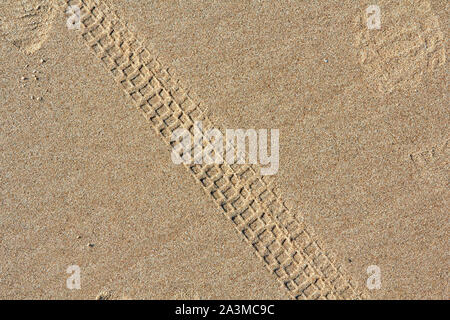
column 287, row 247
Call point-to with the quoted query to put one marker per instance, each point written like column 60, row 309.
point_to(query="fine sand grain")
column 86, row 176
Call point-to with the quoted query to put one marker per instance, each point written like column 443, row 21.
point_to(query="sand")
column 86, row 176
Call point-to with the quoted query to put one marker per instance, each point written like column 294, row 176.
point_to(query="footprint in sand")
column 26, row 23
column 409, row 45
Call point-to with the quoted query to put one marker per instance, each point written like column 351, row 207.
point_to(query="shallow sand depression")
column 26, row 23
column 87, row 182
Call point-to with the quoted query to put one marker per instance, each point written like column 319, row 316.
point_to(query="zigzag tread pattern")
column 285, row 245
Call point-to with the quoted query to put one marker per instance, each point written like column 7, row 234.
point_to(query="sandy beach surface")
column 87, row 179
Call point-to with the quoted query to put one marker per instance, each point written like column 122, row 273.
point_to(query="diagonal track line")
column 286, row 246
